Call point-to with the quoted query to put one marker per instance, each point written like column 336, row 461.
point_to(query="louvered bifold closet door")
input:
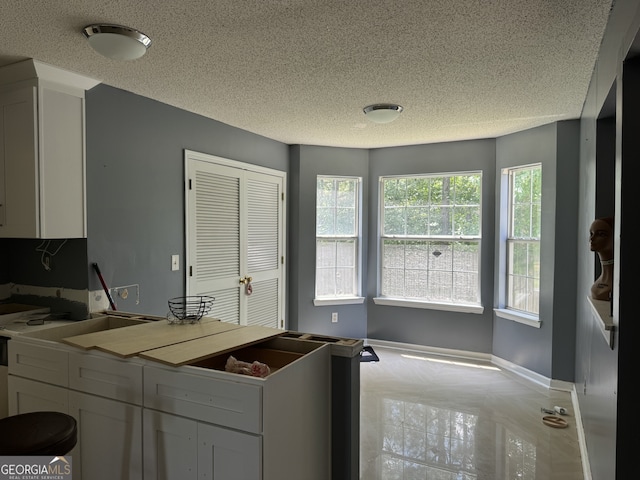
column 235, row 231
column 264, row 257
column 214, row 240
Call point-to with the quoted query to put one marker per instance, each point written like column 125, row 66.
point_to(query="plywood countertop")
column 130, row 341
column 181, row 344
column 205, row 347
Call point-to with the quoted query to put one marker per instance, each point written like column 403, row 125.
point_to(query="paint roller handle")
column 104, row 287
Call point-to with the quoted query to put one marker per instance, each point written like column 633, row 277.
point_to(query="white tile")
column 428, row 420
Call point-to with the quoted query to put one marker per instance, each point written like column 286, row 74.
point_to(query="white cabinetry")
column 4, row 393
column 178, row 447
column 228, row 455
column 102, row 393
column 248, row 427
column 109, row 438
column 143, row 417
column 170, row 447
column 32, row 396
column 42, row 151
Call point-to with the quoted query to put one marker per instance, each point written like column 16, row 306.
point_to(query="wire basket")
column 189, row 309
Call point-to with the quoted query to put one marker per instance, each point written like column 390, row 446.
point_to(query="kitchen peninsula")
column 153, row 399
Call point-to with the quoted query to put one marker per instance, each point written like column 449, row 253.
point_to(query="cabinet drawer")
column 106, row 377
column 28, row 396
column 49, row 365
column 225, row 403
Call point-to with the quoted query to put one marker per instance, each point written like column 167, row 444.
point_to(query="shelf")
column 601, row 314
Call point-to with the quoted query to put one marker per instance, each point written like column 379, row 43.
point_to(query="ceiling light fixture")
column 382, row 112
column 117, row 42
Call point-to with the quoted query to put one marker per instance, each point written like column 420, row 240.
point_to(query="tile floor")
column 424, row 419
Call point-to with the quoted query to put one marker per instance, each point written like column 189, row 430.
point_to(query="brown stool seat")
column 38, row 433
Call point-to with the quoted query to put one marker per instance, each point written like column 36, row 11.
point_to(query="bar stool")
column 38, row 433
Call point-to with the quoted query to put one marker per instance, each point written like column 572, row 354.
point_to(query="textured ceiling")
column 300, row 71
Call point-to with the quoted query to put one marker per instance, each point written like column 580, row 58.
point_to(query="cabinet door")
column 4, row 391
column 30, row 396
column 62, row 164
column 228, row 455
column 42, row 162
column 109, row 438
column 170, row 447
column 18, row 164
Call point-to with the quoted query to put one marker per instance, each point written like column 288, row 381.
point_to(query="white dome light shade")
column 117, row 42
column 382, row 112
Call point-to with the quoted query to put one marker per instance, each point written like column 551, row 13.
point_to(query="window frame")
column 356, row 296
column 505, row 309
column 427, row 303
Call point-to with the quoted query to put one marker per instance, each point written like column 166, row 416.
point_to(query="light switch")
column 175, row 262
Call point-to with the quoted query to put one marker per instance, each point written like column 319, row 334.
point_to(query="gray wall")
column 603, row 375
column 550, row 349
column 135, row 188
column 443, row 329
column 307, row 162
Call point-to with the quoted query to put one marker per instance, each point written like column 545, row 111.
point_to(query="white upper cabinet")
column 42, row 151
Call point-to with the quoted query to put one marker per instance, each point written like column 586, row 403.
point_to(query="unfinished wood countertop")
column 201, row 348
column 130, row 341
column 180, row 344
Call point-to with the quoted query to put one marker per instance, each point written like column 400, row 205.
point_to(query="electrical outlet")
column 334, row 317
column 175, row 262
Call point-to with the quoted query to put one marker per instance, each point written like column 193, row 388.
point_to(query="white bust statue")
column 601, row 242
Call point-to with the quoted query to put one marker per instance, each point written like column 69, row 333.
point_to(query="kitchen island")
column 153, row 400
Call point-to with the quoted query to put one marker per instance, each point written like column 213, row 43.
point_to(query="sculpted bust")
column 601, row 242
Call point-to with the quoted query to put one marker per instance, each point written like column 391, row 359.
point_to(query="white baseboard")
column 447, row 352
column 532, row 376
column 582, row 439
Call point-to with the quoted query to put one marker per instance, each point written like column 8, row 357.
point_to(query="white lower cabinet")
column 27, row 396
column 170, row 447
column 109, row 438
column 4, row 392
column 140, row 419
column 182, row 448
column 228, row 455
column 250, row 428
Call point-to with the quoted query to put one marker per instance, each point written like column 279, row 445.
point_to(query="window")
column 430, row 238
column 523, row 239
column 337, row 237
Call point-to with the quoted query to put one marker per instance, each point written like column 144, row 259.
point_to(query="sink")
column 80, row 327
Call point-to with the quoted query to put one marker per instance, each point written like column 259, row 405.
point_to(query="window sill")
column 601, row 310
column 519, row 317
column 450, row 307
column 318, row 302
